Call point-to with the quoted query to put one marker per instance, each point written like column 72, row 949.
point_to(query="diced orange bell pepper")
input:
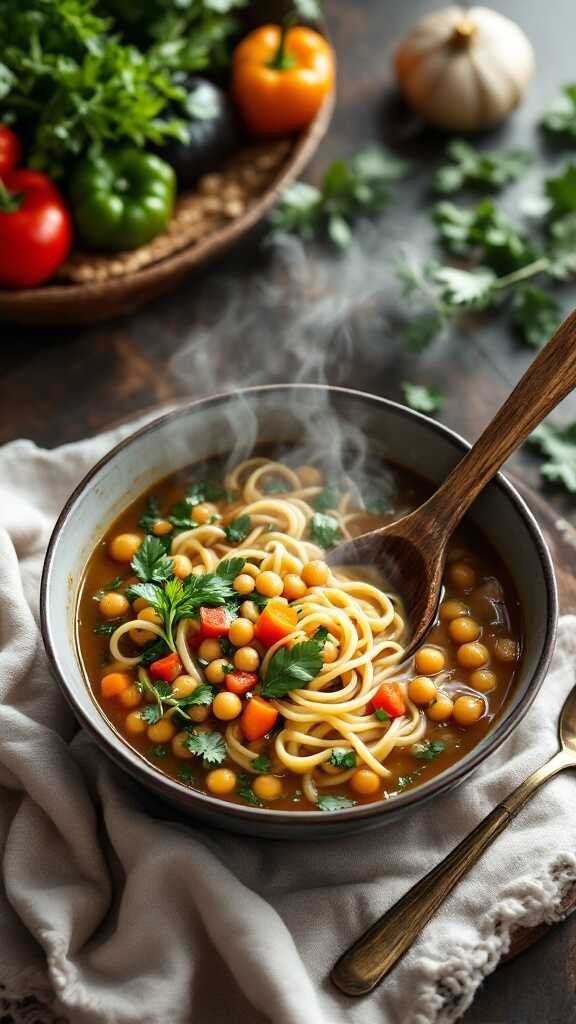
column 258, row 717
column 275, row 622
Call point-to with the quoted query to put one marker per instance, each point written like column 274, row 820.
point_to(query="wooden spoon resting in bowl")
column 410, row 554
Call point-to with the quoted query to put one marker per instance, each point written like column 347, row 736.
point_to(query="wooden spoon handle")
column 546, row 382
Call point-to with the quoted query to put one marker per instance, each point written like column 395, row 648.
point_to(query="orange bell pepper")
column 280, row 77
column 275, row 622
column 258, row 717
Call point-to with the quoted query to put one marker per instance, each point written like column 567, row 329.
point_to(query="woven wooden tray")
column 223, row 207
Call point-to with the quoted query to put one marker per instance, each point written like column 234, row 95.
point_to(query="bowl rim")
column 132, row 761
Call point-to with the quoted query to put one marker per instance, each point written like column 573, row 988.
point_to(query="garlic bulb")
column 464, row 69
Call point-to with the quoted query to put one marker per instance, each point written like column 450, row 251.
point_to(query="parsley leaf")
column 320, row 636
column 210, row 746
column 244, row 789
column 186, row 775
column 469, row 166
column 158, row 751
column 562, row 190
column 151, row 713
column 291, row 668
column 180, row 516
column 230, row 569
column 324, row 530
column 106, row 588
column 535, row 313
column 340, row 757
column 181, row 599
column 407, row 780
column 428, row 750
column 151, row 515
column 261, row 763
column 381, row 715
column 329, row 802
column 238, row 529
column 421, row 398
column 327, row 498
column 204, row 490
column 150, row 563
column 157, row 649
column 558, row 446
column 105, row 628
column 470, row 288
column 560, row 117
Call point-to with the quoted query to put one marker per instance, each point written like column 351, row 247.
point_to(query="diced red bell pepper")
column 258, row 717
column 214, row 622
column 168, row 668
column 240, row 682
column 275, row 622
column 388, row 698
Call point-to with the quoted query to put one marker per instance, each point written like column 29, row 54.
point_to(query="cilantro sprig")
column 210, row 746
column 334, row 802
column 292, row 668
column 107, row 588
column 151, row 564
column 471, row 167
column 324, row 530
column 164, row 700
column 428, row 750
column 341, row 757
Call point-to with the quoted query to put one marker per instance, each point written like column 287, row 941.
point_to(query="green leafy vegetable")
column 340, row 757
column 244, row 789
column 151, row 713
column 320, row 636
column 204, row 490
column 558, row 446
column 560, row 117
column 153, row 651
column 186, row 775
column 327, row 498
column 107, row 588
column 210, row 746
column 158, row 751
column 105, row 628
column 230, row 569
column 349, row 189
column 535, row 314
column 329, row 802
column 324, row 530
column 151, row 515
column 407, row 780
column 238, row 529
column 261, row 763
column 151, row 563
column 421, row 398
column 470, row 166
column 381, row 715
column 165, row 700
column 428, row 750
column 291, row 668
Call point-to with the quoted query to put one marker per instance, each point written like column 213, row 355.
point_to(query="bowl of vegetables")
column 138, row 142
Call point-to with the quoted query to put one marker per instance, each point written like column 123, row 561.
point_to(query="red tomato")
column 214, row 622
column 168, row 668
column 35, row 229
column 388, row 698
column 240, row 682
column 10, row 149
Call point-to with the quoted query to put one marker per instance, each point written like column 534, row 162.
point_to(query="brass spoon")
column 410, row 554
column 376, row 952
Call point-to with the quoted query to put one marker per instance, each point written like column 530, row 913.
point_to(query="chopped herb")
column 259, row 600
column 180, row 516
column 279, row 486
column 291, row 668
column 470, row 166
column 106, row 628
column 331, row 802
column 407, row 780
column 230, row 569
column 324, row 530
column 186, row 775
column 150, row 563
column 210, row 746
column 151, row 713
column 343, row 758
column 560, row 117
column 261, row 763
column 558, row 446
column 320, row 636
column 204, row 490
column 428, row 750
column 535, row 314
column 238, row 529
column 152, row 652
column 106, row 588
column 244, row 789
column 381, row 715
column 327, row 498
column 158, row 751
column 151, row 515
column 421, row 398
column 297, row 796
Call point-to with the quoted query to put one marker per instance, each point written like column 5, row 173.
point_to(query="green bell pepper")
column 121, row 199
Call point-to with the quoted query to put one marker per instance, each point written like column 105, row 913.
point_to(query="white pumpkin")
column 464, row 69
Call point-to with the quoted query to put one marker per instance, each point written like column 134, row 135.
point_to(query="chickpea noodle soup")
column 221, row 646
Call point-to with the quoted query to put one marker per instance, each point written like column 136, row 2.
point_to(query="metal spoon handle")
column 376, row 952
column 546, row 382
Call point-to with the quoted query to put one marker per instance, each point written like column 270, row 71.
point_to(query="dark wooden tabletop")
column 259, row 317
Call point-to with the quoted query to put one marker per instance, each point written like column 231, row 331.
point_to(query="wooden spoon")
column 410, row 553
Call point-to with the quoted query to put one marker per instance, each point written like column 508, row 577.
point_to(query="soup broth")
column 222, row 648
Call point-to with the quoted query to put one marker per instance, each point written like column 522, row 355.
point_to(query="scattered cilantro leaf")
column 261, row 763
column 428, row 750
column 324, row 530
column 469, row 166
column 105, row 628
column 558, row 446
column 244, row 789
column 210, row 746
column 157, row 649
column 561, row 190
column 106, row 588
column 535, row 314
column 150, row 563
column 204, row 490
column 486, row 232
column 421, row 398
column 327, row 498
column 150, row 713
column 151, row 515
column 333, row 802
column 292, row 668
column 560, row 117
column 180, row 516
column 238, row 529
column 158, row 751
column 381, row 715
column 340, row 757
column 406, row 780
column 186, row 775
column 320, row 636
column 469, row 288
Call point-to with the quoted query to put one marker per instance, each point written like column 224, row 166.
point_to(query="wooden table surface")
column 258, row 318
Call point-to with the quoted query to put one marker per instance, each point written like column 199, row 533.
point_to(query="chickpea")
column 149, row 615
column 483, row 679
column 226, row 706
column 183, row 686
column 112, row 606
column 309, row 476
column 294, row 587
column 161, row 731
column 249, row 610
column 221, row 781
column 429, row 660
column 130, row 697
column 123, row 547
column 269, row 584
column 464, row 630
column 142, row 636
column 329, row 652
column 506, row 650
column 179, row 748
column 441, row 709
column 241, row 632
column 198, row 713
column 315, row 573
column 452, row 609
column 462, row 575
column 182, row 566
column 247, row 659
column 473, row 655
column 209, row 650
column 421, row 690
column 139, row 604
column 162, row 527
column 468, row 710
column 134, row 724
column 203, row 513
column 216, row 671
column 267, row 787
column 365, row 782
column 244, row 584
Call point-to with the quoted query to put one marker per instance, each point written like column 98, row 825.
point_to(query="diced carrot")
column 275, row 622
column 389, row 698
column 258, row 717
column 240, row 682
column 214, row 622
column 114, row 683
column 167, row 668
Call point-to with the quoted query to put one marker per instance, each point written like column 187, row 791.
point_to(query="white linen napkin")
column 113, row 910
